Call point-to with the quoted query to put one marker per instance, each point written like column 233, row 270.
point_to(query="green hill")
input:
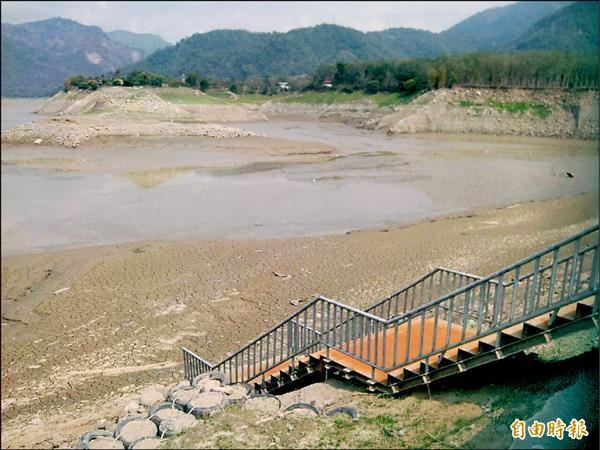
column 573, row 29
column 240, row 54
column 228, row 54
column 496, row 27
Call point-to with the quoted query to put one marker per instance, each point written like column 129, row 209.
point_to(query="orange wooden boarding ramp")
column 444, row 323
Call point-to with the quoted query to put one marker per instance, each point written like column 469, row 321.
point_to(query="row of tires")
column 206, row 395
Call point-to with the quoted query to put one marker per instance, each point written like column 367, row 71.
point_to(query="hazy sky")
column 175, row 20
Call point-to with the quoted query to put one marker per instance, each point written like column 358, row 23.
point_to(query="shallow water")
column 573, row 402
column 226, row 192
column 16, row 111
column 41, row 210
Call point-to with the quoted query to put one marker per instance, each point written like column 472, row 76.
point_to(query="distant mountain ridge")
column 239, row 54
column 145, row 42
column 37, row 57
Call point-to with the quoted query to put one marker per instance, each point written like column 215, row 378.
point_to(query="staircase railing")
column 313, row 327
column 435, row 284
column 470, row 307
column 543, row 282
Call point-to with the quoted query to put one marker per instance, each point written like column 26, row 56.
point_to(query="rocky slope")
column 547, row 113
column 78, row 117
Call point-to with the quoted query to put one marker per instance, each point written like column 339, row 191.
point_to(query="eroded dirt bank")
column 518, row 112
column 73, row 118
column 550, row 113
column 72, row 355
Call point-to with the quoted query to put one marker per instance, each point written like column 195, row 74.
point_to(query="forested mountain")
column 145, row 42
column 239, row 54
column 496, row 27
column 38, row 56
column 573, row 29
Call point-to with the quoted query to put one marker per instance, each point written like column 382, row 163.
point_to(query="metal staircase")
column 444, row 323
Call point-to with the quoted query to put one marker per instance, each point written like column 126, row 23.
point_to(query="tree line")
column 541, row 69
column 135, row 78
column 536, row 69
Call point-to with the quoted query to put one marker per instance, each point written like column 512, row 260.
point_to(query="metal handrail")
column 485, row 299
column 500, row 272
column 504, row 312
column 422, row 281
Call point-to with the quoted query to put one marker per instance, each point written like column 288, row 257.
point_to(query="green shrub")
column 373, row 87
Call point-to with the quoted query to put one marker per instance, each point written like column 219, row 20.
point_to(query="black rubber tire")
column 303, row 406
column 160, row 406
column 198, row 412
column 167, row 433
column 348, row 410
column 268, row 395
column 172, row 399
column 91, row 435
column 133, row 444
column 122, row 423
column 213, row 375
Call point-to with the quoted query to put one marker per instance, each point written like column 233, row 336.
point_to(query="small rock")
column 209, row 385
column 37, row 141
column 131, row 407
column 36, row 421
column 101, row 424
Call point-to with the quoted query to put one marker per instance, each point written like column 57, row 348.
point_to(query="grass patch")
column 541, row 110
column 466, row 103
column 185, row 96
column 182, row 96
column 538, row 109
column 385, row 423
column 381, row 99
column 568, row 346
